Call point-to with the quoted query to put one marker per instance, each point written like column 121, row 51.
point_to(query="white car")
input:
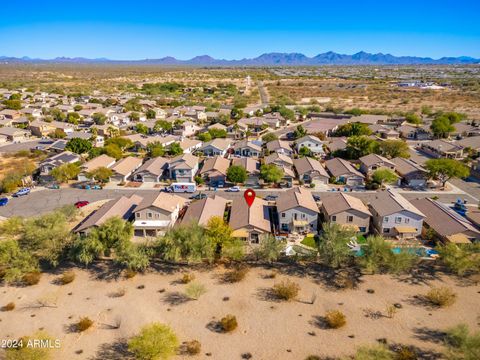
column 233, row 189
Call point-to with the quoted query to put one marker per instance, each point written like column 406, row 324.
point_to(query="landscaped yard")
column 309, row 241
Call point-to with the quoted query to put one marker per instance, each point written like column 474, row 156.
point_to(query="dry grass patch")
column 9, row 307
column 286, row 290
column 441, row 297
column 187, row 277
column 84, row 324
column 236, row 275
column 67, row 277
column 129, row 273
column 32, row 278
column 195, row 290
column 335, row 319
column 192, row 347
column 228, row 323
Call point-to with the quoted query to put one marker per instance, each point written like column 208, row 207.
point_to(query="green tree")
column 141, row 129
column 462, row 258
column 79, row 146
column 299, row 132
column 151, row 114
column 155, row 149
column 375, row 352
column 134, row 116
column 358, row 146
column 134, row 257
column 99, row 118
column 332, row 245
column 269, row 137
column 154, row 342
column 121, row 142
column 441, row 127
column 113, row 150
column 413, row 118
column 101, row 174
column 217, row 133
column 15, row 262
column 393, row 148
column 78, row 108
column 175, row 149
column 162, row 125
column 446, row 169
column 271, row 173
column 305, row 152
column 236, row 174
column 205, row 137
column 13, row 104
column 65, row 172
column 355, row 112
column 353, row 129
column 384, row 176
column 269, row 248
column 73, row 118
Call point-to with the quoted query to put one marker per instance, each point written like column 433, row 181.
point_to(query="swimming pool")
column 419, row 251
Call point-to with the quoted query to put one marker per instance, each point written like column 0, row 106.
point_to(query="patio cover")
column 405, row 229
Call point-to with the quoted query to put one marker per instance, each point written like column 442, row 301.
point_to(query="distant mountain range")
column 269, row 59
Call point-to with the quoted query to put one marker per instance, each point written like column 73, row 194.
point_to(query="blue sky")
column 235, row 29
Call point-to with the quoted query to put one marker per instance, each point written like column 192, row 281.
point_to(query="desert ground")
column 267, row 328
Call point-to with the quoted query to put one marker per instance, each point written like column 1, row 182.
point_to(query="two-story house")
column 346, row 210
column 247, row 149
column 250, row 223
column 310, row 171
column 183, row 168
column 216, row 147
column 297, row 211
column 312, row 143
column 395, row 216
column 214, row 170
column 343, row 172
column 152, row 170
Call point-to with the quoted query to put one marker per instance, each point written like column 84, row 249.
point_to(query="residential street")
column 45, row 200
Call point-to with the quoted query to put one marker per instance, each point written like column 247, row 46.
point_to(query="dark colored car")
column 3, row 201
column 271, row 197
column 199, row 196
column 316, row 197
column 80, row 204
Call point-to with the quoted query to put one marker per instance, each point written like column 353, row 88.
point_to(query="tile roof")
column 297, row 197
column 339, row 202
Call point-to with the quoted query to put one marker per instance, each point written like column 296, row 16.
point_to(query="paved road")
column 43, row 201
column 27, row 145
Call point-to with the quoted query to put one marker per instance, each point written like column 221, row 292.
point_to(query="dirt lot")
column 268, row 329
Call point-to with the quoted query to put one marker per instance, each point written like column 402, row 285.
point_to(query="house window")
column 407, row 220
column 149, row 215
column 385, row 219
column 137, row 215
column 283, row 215
column 362, row 229
column 334, row 218
column 386, row 230
column 304, row 216
column 398, row 220
column 349, row 219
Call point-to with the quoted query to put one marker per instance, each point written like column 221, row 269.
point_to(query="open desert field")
column 267, row 328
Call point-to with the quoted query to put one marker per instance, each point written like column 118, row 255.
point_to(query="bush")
column 335, row 319
column 286, row 290
column 187, row 277
column 32, row 278
column 312, row 357
column 155, row 341
column 462, row 344
column 195, row 290
column 67, row 277
column 25, row 352
column 129, row 273
column 9, row 307
column 236, row 275
column 193, row 347
column 405, row 353
column 441, row 297
column 228, row 323
column 376, row 352
column 85, row 323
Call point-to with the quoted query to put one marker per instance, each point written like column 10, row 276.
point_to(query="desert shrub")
column 405, row 353
column 194, row 290
column 462, row 344
column 335, row 319
column 286, row 290
column 129, row 273
column 187, row 277
column 312, row 357
column 236, row 275
column 228, row 323
column 67, row 277
column 25, row 352
column 193, row 347
column 32, row 278
column 119, row 293
column 9, row 307
column 155, row 341
column 441, row 296
column 84, row 324
column 391, row 311
column 375, row 352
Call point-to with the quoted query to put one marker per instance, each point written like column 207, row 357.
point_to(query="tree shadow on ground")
column 319, row 322
column 175, row 298
column 105, row 270
column 267, row 294
column 421, row 300
column 423, row 274
column 414, row 352
column 430, row 335
column 114, row 351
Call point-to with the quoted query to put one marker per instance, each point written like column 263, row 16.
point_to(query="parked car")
column 233, row 189
column 316, row 197
column 3, row 201
column 22, row 192
column 80, row 204
column 271, row 197
column 199, row 196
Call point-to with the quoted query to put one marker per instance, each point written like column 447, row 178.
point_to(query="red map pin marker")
column 249, row 196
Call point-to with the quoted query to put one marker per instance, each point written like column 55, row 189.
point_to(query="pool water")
column 420, row 251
